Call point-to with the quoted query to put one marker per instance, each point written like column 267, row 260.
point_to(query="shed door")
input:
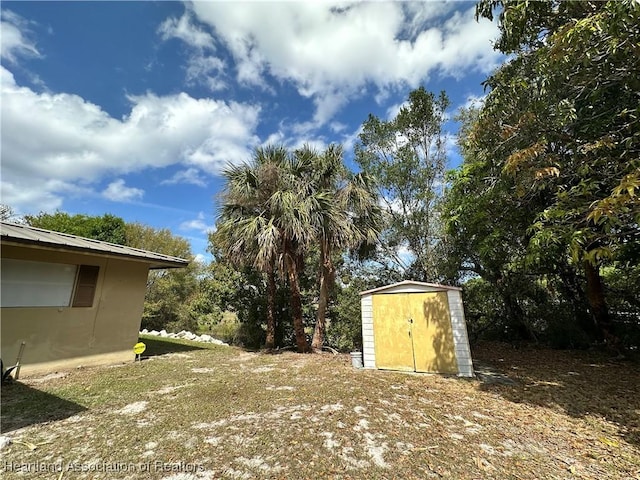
column 432, row 336
column 412, row 332
column 392, row 332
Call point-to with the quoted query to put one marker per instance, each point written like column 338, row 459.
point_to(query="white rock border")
column 204, row 338
column 5, row 441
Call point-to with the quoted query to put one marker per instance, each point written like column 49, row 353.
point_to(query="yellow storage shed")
column 415, row 326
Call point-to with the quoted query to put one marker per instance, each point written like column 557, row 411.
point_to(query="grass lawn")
column 194, row 411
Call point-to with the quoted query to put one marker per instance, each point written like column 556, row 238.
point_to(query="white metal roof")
column 12, row 233
column 410, row 283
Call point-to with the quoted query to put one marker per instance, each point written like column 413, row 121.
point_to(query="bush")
column 344, row 335
column 344, row 329
column 234, row 332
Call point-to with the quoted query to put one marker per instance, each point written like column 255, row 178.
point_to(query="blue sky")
column 134, row 108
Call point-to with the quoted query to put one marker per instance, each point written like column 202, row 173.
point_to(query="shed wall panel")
column 366, row 305
column 460, row 336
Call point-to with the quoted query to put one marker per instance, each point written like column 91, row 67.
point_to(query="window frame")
column 86, row 284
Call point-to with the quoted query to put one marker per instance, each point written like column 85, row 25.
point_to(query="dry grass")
column 221, row 412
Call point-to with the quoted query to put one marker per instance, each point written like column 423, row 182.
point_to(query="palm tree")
column 275, row 207
column 245, row 230
column 266, row 219
column 348, row 217
column 293, row 207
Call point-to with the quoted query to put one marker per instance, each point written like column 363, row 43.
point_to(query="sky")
column 135, row 108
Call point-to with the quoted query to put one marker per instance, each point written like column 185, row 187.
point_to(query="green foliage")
column 164, row 307
column 487, row 232
column 622, row 282
column 219, row 288
column 407, row 156
column 566, row 109
column 170, row 293
column 547, row 193
column 159, row 240
column 231, row 304
column 107, row 228
column 484, row 309
column 525, row 308
column 344, row 330
column 245, row 334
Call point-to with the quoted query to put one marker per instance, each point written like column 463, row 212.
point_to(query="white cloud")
column 198, row 224
column 202, row 67
column 62, row 137
column 275, row 138
column 328, row 104
column 47, row 197
column 117, row 191
column 190, row 175
column 296, row 135
column 184, row 29
column 349, row 141
column 473, row 101
column 29, row 200
column 337, row 127
column 334, row 51
column 394, row 110
column 206, row 70
column 14, row 37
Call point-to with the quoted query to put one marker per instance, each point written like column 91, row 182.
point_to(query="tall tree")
column 268, row 215
column 348, row 219
column 407, row 156
column 295, row 209
column 565, row 108
column 245, row 230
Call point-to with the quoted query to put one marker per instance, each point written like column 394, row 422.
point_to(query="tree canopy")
column 407, row 157
column 548, row 188
column 565, row 111
column 107, row 228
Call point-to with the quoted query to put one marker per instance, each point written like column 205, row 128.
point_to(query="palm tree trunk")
column 326, row 277
column 270, row 342
column 296, row 308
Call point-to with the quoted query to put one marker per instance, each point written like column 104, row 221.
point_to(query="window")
column 86, row 286
column 25, row 283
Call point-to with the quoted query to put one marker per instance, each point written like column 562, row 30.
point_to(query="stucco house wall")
column 64, row 337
